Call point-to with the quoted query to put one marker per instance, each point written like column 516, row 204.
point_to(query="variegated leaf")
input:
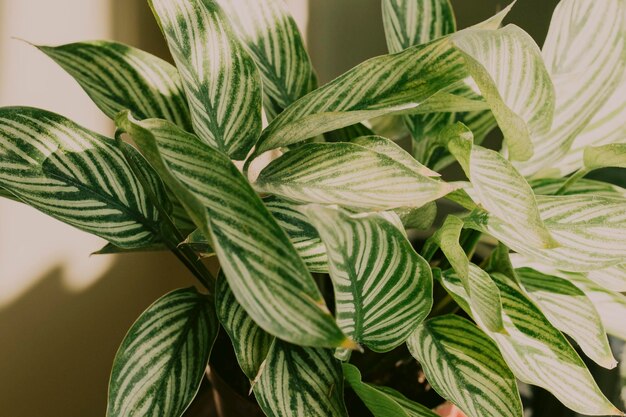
column 536, row 352
column 76, row 176
column 464, row 366
column 119, row 77
column 262, row 267
column 421, row 218
column 349, row 175
column 221, row 80
column 550, row 186
column 383, row 289
column 612, row 155
column 585, row 55
column 161, row 362
column 200, row 243
column 273, row 40
column 383, row 401
column 569, row 310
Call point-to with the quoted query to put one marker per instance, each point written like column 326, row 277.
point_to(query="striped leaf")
column 521, row 96
column 119, row 77
column 464, row 366
column 536, row 352
column 349, row 175
column 76, row 176
column 295, row 381
column 383, row 401
column 569, row 310
column 383, row 289
column 161, row 362
column 498, row 187
column 585, row 56
column 301, row 232
column 483, row 292
column 590, row 229
column 261, row 265
column 250, row 342
column 221, row 80
column 273, row 40
column 550, row 186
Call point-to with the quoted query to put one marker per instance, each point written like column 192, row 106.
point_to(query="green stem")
column 572, row 180
column 469, row 241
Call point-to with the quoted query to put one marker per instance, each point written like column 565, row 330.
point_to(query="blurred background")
column 63, row 312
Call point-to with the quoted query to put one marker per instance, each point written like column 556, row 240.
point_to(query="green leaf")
column 498, row 187
column 349, row 175
column 613, row 155
column 415, row 22
column 301, row 232
column 119, row 77
column 159, row 366
column 591, row 231
column 273, row 40
column 383, row 401
column 550, row 186
column 262, row 267
column 585, row 53
column 536, row 352
column 420, row 218
column 110, row 249
column 200, row 243
column 250, row 342
column 221, row 80
column 76, row 176
column 464, row 366
column 569, row 310
column 296, row 381
column 383, row 289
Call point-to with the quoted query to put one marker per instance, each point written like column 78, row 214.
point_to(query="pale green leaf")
column 262, row 267
column 159, row 366
column 536, row 352
column 612, row 155
column 221, row 81
column 464, row 366
column 348, row 175
column 383, row 289
column 569, row 310
column 273, row 40
column 383, row 401
column 295, row 381
column 550, row 186
column 76, row 176
column 421, row 218
column 585, row 54
column 119, row 77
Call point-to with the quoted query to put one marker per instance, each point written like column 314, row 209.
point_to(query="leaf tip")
column 350, row 344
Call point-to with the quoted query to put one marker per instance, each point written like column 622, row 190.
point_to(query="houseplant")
column 334, row 199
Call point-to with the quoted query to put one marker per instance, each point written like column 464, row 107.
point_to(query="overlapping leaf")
column 349, row 175
column 464, row 366
column 221, row 80
column 273, row 40
column 585, row 53
column 550, row 186
column 161, row 362
column 118, row 77
column 76, row 176
column 536, row 352
column 262, row 267
column 570, row 311
column 383, row 289
column 383, row 401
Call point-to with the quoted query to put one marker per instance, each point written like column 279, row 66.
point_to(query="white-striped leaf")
column 585, row 55
column 301, row 232
column 464, row 366
column 484, row 294
column 161, row 362
column 119, row 77
column 348, row 175
column 536, row 352
column 262, row 267
column 250, row 342
column 383, row 401
column 221, row 80
column 383, row 289
column 498, row 187
column 590, row 229
column 76, row 176
column 569, row 310
column 273, row 40
column 550, row 186
column 295, row 381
